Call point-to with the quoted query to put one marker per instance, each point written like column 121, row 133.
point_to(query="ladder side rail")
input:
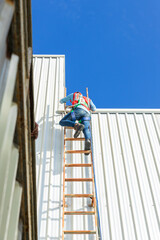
column 93, row 184
column 63, row 185
column 94, row 197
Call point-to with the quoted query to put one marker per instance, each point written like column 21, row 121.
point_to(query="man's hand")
column 34, row 133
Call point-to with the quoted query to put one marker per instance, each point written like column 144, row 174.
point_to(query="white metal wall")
column 126, row 147
column 127, row 163
column 49, row 85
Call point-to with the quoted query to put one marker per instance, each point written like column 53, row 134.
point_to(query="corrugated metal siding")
column 126, row 147
column 126, row 155
column 49, row 88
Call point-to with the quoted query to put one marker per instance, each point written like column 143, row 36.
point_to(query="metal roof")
column 126, row 150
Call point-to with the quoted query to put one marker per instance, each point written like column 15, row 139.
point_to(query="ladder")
column 92, row 195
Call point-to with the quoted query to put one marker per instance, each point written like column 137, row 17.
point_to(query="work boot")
column 87, row 145
column 78, row 127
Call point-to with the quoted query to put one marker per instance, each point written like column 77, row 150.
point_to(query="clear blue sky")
column 111, row 46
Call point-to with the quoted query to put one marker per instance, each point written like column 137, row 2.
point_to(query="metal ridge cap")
column 48, row 55
column 126, row 110
column 119, row 110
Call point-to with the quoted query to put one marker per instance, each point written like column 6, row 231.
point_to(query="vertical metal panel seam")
column 124, row 165
column 53, row 131
column 151, row 145
column 144, row 164
column 59, row 77
column 115, row 174
column 38, row 87
column 48, row 204
column 102, row 151
column 42, row 132
column 156, row 210
column 140, row 192
column 145, row 217
column 57, row 74
column 156, row 127
column 44, row 123
column 34, row 61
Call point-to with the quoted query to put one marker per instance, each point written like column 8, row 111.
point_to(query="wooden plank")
column 74, row 139
column 79, row 165
column 6, row 14
column 8, row 93
column 79, row 213
column 78, row 151
column 63, row 185
column 69, row 106
column 69, row 127
column 80, row 232
column 15, row 210
column 78, row 179
column 94, row 201
column 79, row 195
column 10, row 185
column 6, row 140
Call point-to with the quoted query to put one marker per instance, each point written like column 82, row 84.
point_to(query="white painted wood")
column 5, row 153
column 6, row 15
column 8, row 95
column 6, row 212
column 15, row 210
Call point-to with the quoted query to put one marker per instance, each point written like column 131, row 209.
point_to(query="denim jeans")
column 79, row 113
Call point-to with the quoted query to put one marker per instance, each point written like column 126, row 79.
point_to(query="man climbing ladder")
column 81, row 107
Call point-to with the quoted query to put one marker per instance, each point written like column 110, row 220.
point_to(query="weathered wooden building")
column 18, row 217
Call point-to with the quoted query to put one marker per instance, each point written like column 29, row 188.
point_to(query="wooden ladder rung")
column 79, row 165
column 74, row 139
column 79, row 232
column 79, row 213
column 69, row 127
column 78, row 179
column 78, row 151
column 79, row 195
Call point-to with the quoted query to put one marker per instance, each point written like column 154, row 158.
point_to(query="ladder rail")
column 63, row 186
column 93, row 187
column 94, row 198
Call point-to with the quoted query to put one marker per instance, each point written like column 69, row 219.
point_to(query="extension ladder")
column 89, row 195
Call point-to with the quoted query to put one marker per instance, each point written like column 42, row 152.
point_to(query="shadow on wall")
column 49, row 176
column 49, row 142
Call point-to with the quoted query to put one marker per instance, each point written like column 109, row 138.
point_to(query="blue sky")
column 111, row 46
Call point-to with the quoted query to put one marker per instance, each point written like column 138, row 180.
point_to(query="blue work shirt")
column 70, row 97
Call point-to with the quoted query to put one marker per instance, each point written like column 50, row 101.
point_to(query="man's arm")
column 92, row 106
column 66, row 99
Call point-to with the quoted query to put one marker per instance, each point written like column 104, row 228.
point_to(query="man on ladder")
column 81, row 107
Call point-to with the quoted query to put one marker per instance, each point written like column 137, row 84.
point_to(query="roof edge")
column 120, row 110
column 48, row 55
column 125, row 110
